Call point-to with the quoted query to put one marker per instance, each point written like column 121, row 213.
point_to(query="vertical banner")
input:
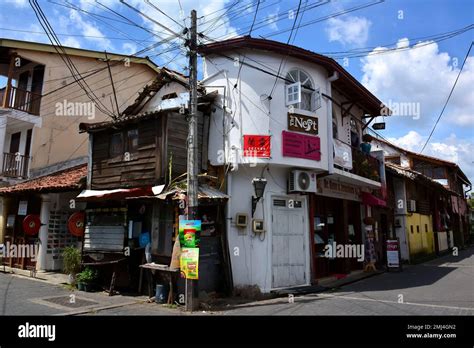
column 189, row 262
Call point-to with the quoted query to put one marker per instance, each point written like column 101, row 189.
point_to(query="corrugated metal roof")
column 204, row 192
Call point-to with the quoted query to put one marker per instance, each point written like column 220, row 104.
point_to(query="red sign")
column 301, row 146
column 75, row 224
column 257, row 146
column 31, row 224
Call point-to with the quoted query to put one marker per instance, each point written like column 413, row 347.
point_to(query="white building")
column 310, row 119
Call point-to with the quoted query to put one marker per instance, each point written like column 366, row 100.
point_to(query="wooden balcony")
column 352, row 160
column 19, row 99
column 365, row 165
column 15, row 165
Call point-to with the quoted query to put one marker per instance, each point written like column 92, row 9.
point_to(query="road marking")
column 396, row 302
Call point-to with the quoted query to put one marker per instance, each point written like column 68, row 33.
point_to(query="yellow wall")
column 421, row 242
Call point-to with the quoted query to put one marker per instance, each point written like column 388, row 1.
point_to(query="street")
column 444, row 286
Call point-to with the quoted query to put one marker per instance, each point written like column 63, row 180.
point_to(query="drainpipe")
column 330, row 146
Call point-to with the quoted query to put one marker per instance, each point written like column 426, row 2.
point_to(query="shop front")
column 335, row 225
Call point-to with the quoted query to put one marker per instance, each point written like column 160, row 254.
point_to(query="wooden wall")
column 144, row 167
column 158, row 139
column 177, row 134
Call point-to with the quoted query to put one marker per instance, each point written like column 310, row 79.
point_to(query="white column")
column 43, row 233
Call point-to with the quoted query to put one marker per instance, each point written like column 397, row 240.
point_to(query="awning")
column 70, row 179
column 370, row 199
column 117, row 194
column 204, row 192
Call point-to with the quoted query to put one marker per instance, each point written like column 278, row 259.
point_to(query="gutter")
column 330, row 143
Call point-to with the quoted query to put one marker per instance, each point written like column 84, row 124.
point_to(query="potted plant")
column 86, row 279
column 71, row 263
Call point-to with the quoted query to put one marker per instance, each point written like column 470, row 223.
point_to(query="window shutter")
column 316, row 99
column 293, row 93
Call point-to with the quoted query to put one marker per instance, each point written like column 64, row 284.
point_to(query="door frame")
column 306, row 236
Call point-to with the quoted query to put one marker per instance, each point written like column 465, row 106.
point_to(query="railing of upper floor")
column 15, row 165
column 356, row 161
column 20, row 99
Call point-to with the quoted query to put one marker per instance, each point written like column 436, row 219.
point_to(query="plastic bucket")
column 161, row 294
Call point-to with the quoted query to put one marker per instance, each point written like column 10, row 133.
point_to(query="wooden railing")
column 355, row 161
column 22, row 100
column 15, row 165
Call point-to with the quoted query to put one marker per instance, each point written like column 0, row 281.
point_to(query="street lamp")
column 259, row 187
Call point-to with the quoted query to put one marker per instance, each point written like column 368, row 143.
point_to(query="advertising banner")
column 393, row 259
column 189, row 233
column 189, row 262
column 301, row 146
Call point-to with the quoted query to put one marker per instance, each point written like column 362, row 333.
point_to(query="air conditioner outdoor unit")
column 411, row 205
column 302, row 181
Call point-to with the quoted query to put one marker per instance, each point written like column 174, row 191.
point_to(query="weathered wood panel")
column 141, row 167
column 177, row 134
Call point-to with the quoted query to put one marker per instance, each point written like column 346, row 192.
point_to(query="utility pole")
column 192, row 180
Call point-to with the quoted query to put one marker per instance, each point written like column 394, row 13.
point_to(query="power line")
column 449, row 97
column 287, row 42
column 43, row 21
column 72, row 35
column 250, row 33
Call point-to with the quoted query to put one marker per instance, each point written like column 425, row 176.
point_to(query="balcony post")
column 3, row 131
column 6, row 96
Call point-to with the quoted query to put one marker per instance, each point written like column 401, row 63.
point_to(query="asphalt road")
column 444, row 286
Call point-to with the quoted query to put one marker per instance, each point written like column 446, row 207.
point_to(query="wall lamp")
column 259, row 187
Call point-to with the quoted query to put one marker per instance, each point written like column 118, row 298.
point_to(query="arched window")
column 293, row 93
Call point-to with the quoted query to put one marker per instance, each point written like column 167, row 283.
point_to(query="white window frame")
column 316, row 99
column 289, row 91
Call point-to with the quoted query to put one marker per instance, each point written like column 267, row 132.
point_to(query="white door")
column 288, row 243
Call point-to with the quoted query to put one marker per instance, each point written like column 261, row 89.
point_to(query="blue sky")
column 420, row 77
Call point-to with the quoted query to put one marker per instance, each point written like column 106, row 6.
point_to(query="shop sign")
column 393, row 259
column 257, row 146
column 301, row 146
column 22, row 207
column 189, row 263
column 303, row 124
column 189, row 233
column 336, row 189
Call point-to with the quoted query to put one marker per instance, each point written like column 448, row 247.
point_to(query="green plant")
column 87, row 276
column 72, row 260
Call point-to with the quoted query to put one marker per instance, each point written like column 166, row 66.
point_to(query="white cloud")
column 18, row 3
column 422, row 75
column 129, row 48
column 89, row 29
column 452, row 148
column 350, row 30
column 273, row 17
column 71, row 42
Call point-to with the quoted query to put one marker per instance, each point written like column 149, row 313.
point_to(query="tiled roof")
column 64, row 180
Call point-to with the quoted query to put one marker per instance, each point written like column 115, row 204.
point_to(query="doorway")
column 288, row 242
